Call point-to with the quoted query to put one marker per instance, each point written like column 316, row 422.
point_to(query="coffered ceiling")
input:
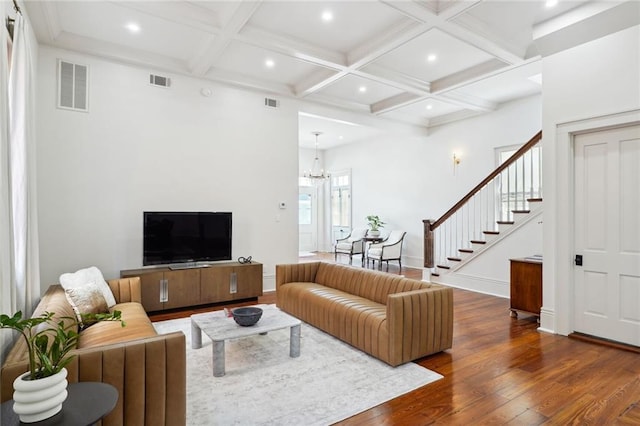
column 418, row 62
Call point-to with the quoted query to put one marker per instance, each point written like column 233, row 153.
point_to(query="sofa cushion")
column 85, row 276
column 137, row 325
column 372, row 285
column 353, row 319
column 86, row 299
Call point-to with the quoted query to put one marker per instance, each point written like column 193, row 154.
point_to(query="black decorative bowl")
column 247, row 316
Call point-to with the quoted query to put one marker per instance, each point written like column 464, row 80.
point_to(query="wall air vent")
column 73, row 86
column 271, row 103
column 158, row 80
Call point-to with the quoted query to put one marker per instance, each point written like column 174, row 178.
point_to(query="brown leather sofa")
column 147, row 369
column 392, row 318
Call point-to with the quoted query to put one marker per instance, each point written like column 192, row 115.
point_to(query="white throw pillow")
column 86, row 299
column 88, row 275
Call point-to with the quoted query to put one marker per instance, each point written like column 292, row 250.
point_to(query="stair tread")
column 454, row 259
column 465, row 250
column 443, row 267
column 505, row 222
column 520, row 211
column 534, row 200
column 478, row 242
column 435, row 274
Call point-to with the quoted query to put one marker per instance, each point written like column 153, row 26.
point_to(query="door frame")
column 557, row 314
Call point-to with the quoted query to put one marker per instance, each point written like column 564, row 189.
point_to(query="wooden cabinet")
column 526, row 286
column 231, row 282
column 163, row 288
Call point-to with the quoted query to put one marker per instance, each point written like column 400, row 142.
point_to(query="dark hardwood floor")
column 501, row 370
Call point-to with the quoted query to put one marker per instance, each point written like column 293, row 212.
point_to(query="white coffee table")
column 220, row 328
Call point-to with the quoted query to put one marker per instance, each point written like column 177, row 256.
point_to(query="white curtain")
column 24, row 273
column 5, row 227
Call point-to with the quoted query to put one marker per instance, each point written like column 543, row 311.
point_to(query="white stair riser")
column 503, row 228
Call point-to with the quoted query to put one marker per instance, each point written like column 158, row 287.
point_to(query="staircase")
column 506, row 200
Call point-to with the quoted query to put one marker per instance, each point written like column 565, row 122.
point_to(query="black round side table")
column 86, row 403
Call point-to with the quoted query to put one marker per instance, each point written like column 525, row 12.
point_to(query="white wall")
column 405, row 179
column 593, row 81
column 147, row 148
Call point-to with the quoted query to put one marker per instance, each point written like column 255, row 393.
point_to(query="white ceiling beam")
column 456, row 8
column 290, row 47
column 465, row 77
column 444, row 21
column 119, row 53
column 583, row 24
column 385, row 43
column 476, row 32
column 316, row 81
column 423, row 13
column 183, row 13
column 204, row 59
column 468, row 102
column 341, row 103
column 488, row 45
column 395, row 102
column 393, row 78
column 244, row 81
column 370, row 51
column 453, row 116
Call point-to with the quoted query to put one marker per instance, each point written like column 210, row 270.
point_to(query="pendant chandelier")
column 316, row 174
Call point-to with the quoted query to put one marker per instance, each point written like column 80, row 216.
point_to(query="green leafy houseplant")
column 49, row 348
column 375, row 223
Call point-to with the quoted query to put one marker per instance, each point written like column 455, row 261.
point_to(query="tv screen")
column 179, row 237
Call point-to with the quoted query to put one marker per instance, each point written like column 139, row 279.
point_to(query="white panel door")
column 607, row 234
column 307, row 218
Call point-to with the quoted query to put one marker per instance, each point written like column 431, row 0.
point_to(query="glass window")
column 304, row 209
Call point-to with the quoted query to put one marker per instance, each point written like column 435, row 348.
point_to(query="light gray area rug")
column 329, row 382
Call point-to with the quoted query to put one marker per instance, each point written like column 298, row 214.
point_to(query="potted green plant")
column 49, row 353
column 374, row 224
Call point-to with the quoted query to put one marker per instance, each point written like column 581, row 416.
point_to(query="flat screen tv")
column 185, row 237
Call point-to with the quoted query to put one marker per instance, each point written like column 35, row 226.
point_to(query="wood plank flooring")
column 502, row 371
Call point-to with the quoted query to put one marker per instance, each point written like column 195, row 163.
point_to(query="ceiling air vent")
column 271, row 103
column 158, row 80
column 73, row 86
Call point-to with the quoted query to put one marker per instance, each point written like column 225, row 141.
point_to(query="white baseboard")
column 547, row 320
column 269, row 282
column 472, row 283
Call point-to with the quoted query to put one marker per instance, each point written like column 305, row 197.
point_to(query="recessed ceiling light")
column 429, row 106
column 327, row 16
column 432, row 57
column 551, row 3
column 269, row 63
column 362, row 89
column 133, row 27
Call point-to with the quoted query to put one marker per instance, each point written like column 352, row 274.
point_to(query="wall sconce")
column 456, row 161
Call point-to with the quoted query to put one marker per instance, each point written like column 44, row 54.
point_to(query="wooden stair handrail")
column 524, row 148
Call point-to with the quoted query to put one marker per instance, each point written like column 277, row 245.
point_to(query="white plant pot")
column 36, row 400
column 373, row 233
